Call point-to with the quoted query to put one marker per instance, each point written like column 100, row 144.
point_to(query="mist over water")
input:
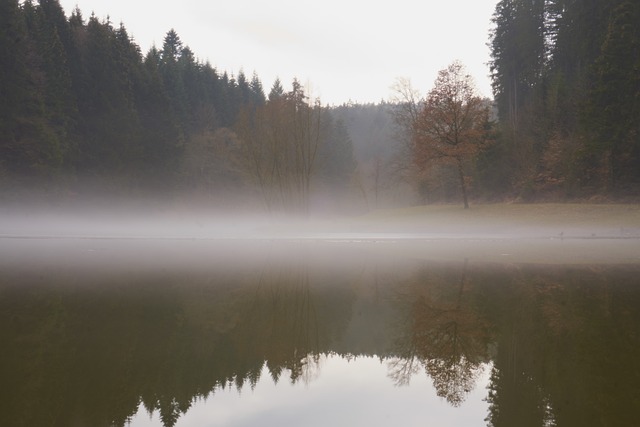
column 172, row 233
column 165, row 311
column 147, row 236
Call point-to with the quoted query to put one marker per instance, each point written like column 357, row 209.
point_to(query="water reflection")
column 445, row 334
column 559, row 345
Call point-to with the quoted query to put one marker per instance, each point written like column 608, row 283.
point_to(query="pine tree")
column 77, row 97
column 244, row 91
column 160, row 136
column 209, row 89
column 29, row 146
column 545, row 78
column 54, row 39
column 613, row 112
column 173, row 80
column 277, row 91
column 257, row 91
column 518, row 55
column 110, row 123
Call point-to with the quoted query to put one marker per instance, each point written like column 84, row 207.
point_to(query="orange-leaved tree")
column 452, row 126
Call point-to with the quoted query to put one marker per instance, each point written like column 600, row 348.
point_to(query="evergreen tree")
column 60, row 103
column 225, row 100
column 193, row 97
column 277, row 91
column 173, row 79
column 518, row 54
column 210, row 95
column 172, row 47
column 160, row 137
column 564, row 76
column 613, row 112
column 77, row 97
column 257, row 91
column 244, row 91
column 109, row 122
column 29, row 147
column 16, row 88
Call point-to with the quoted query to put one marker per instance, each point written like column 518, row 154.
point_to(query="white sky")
column 342, row 50
column 356, row 392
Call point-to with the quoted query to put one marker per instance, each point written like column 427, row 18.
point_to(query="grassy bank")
column 558, row 217
column 515, row 233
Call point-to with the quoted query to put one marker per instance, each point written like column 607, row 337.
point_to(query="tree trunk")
column 463, row 185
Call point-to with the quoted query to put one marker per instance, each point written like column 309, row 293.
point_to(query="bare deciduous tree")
column 278, row 147
column 407, row 102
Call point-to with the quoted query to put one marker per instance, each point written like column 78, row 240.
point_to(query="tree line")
column 566, row 79
column 566, row 111
column 81, row 104
column 82, row 107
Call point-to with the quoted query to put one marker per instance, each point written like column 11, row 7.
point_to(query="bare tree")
column 407, row 105
column 278, row 148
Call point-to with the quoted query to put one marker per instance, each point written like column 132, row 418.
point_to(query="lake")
column 231, row 332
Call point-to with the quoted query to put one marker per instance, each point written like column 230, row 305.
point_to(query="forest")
column 83, row 111
column 566, row 80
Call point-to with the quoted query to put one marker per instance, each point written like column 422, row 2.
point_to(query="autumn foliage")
column 452, row 126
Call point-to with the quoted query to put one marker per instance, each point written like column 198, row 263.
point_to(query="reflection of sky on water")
column 165, row 318
column 343, row 392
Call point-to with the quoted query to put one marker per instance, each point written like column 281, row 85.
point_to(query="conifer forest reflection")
column 546, row 345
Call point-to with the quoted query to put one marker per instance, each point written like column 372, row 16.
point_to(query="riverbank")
column 511, row 220
column 515, row 233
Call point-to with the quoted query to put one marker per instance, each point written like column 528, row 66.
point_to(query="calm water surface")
column 189, row 333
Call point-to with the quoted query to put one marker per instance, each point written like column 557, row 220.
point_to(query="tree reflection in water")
column 562, row 342
column 446, row 336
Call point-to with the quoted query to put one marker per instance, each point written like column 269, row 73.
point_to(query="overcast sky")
column 342, row 50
